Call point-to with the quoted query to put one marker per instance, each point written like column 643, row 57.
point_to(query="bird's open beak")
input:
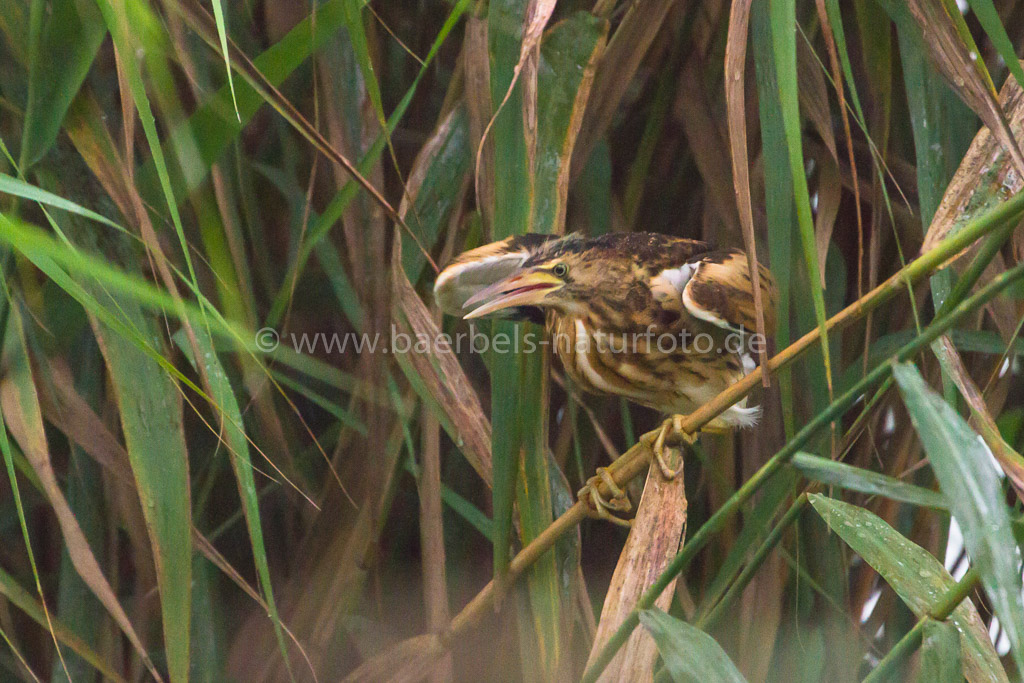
column 523, row 288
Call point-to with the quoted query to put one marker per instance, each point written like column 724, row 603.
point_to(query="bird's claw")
column 601, row 507
column 667, row 442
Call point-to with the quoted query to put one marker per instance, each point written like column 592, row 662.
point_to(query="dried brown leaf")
column 476, row 65
column 830, row 192
column 658, row 531
column 984, row 177
column 963, row 67
column 694, row 112
column 444, row 377
column 814, row 95
column 735, row 68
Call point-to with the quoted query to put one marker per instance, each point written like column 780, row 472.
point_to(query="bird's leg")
column 666, row 442
column 660, row 445
column 601, row 506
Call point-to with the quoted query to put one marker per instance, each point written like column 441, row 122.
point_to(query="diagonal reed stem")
column 634, row 461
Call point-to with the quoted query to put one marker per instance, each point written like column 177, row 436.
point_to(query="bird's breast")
column 658, row 366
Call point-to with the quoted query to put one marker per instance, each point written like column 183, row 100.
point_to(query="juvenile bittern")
column 662, row 321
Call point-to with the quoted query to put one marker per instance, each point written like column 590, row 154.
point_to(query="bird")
column 662, row 321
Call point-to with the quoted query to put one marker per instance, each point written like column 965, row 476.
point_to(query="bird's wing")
column 719, row 291
column 473, row 270
column 715, row 287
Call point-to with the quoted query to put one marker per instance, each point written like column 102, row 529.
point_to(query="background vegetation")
column 184, row 183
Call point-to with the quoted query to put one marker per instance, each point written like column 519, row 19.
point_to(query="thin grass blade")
column 833, row 473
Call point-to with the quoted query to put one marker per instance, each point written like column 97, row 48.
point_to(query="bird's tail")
column 741, row 416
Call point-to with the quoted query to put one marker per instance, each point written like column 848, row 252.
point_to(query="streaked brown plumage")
column 622, row 294
column 612, row 304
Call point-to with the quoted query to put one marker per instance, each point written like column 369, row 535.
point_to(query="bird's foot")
column 665, row 446
column 601, row 507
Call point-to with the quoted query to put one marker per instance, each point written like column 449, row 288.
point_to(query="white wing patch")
column 673, row 282
column 669, row 284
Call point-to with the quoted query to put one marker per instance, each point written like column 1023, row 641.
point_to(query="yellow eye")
column 560, row 270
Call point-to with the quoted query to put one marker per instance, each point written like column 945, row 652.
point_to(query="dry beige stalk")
column 735, row 79
column 658, row 531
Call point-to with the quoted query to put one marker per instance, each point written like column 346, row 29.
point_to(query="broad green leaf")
column 151, row 417
column 833, row 473
column 19, row 188
column 518, row 382
column 940, row 654
column 567, row 57
column 968, row 477
column 778, row 183
column 988, row 17
column 449, row 159
column 690, row 655
column 917, row 577
column 510, row 211
column 46, row 253
column 941, row 125
column 73, row 30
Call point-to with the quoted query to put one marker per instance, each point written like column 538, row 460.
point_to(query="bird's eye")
column 560, row 270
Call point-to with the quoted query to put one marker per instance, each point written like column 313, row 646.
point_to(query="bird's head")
column 555, row 274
